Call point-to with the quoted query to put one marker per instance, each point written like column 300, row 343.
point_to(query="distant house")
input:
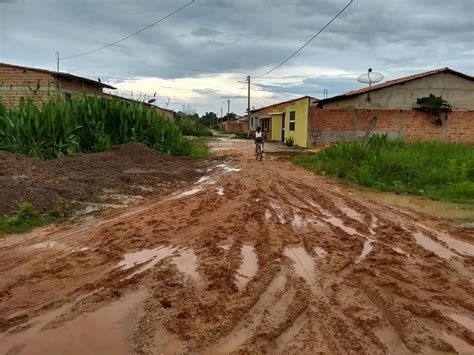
column 38, row 84
column 18, row 81
column 347, row 116
column 237, row 125
column 289, row 119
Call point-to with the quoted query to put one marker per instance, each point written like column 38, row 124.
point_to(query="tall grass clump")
column 442, row 171
column 90, row 124
column 190, row 126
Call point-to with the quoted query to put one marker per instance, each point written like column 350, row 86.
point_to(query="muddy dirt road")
column 251, row 258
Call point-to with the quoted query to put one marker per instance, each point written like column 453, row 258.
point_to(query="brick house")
column 238, row 125
column 346, row 117
column 38, row 84
column 18, row 81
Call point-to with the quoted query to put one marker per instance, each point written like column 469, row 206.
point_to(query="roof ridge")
column 397, row 81
column 60, row 73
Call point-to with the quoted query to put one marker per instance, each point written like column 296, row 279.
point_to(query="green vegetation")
column 440, row 171
column 199, row 148
column 436, row 106
column 191, row 126
column 290, row 142
column 26, row 218
column 64, row 127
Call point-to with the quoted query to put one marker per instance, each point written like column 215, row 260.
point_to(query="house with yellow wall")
column 289, row 119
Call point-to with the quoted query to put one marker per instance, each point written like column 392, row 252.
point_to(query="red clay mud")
column 335, row 273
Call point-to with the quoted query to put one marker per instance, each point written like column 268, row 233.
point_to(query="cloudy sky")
column 201, row 56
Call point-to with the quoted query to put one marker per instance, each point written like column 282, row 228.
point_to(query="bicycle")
column 259, row 151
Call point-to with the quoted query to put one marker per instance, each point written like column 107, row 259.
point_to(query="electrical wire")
column 238, row 95
column 226, row 85
column 131, row 35
column 256, row 97
column 304, row 45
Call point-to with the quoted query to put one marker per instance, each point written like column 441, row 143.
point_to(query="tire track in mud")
column 268, row 258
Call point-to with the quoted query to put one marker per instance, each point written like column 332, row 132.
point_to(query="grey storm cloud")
column 210, row 37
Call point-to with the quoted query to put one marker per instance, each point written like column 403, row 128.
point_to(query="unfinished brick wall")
column 236, row 126
column 333, row 125
column 16, row 83
column 78, row 88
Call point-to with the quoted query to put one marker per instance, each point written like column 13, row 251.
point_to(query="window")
column 292, row 120
column 67, row 95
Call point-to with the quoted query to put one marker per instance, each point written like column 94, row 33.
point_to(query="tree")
column 209, row 119
column 436, row 106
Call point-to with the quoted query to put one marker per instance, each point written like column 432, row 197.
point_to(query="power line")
column 131, row 35
column 304, row 45
column 226, row 85
column 256, row 97
column 238, row 95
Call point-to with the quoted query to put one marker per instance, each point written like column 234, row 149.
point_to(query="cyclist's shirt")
column 259, row 134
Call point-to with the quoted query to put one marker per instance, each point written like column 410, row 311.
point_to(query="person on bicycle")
column 258, row 139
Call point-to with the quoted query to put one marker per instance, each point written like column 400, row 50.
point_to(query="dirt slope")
column 108, row 177
column 253, row 257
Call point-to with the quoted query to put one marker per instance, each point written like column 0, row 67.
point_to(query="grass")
column 64, row 127
column 199, row 148
column 192, row 127
column 25, row 219
column 440, row 171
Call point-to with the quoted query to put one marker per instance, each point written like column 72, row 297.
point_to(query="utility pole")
column 57, row 61
column 221, row 113
column 228, row 109
column 248, row 103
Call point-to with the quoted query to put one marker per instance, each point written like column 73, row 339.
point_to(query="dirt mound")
column 129, row 169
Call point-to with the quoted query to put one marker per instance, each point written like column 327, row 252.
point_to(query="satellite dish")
column 370, row 78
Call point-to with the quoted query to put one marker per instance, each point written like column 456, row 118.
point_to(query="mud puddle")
column 16, row 340
column 247, row 326
column 279, row 212
column 303, row 263
column 249, row 267
column 337, row 222
column 365, row 251
column 430, row 245
column 150, row 257
column 184, row 259
column 189, row 192
column 290, row 334
column 455, row 244
column 187, row 264
column 465, row 320
column 389, row 336
column 351, row 213
column 320, row 252
column 103, row 331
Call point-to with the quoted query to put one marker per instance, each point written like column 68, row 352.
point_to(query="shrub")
column 192, row 127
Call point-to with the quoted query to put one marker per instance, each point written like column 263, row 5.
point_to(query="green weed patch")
column 440, row 171
column 25, row 219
